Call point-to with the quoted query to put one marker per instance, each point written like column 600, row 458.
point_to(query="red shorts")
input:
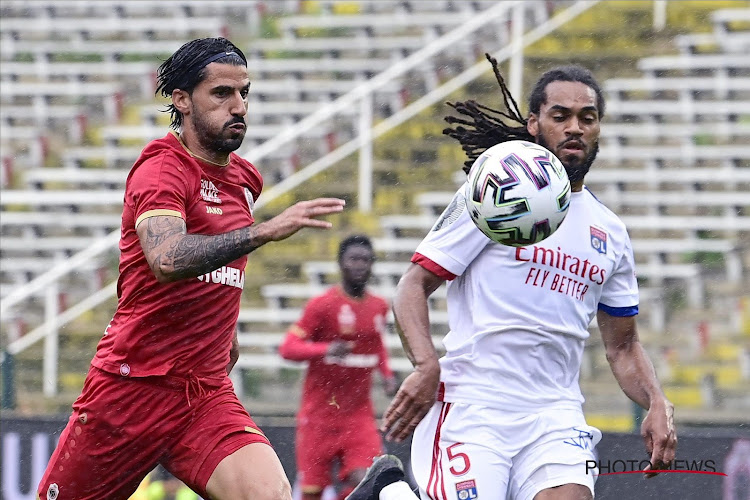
column 352, row 441
column 121, row 428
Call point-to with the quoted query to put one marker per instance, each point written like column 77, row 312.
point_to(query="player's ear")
column 181, row 100
column 532, row 124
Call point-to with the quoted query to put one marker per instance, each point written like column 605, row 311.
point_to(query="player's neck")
column 354, row 291
column 189, row 141
column 576, row 186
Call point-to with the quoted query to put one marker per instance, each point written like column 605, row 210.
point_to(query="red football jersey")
column 188, row 325
column 339, row 386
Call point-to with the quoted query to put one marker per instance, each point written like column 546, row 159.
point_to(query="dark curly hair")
column 482, row 127
column 355, row 239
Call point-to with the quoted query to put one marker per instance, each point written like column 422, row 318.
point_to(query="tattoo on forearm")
column 196, row 254
column 159, row 229
column 191, row 255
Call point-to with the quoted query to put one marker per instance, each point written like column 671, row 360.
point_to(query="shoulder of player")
column 238, row 160
column 246, row 169
column 160, row 165
column 611, row 218
column 325, row 299
column 162, row 152
column 377, row 299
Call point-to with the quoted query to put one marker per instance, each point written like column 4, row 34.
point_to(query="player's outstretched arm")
column 295, row 348
column 173, row 254
column 635, row 373
column 417, row 392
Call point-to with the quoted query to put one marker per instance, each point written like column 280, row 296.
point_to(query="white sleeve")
column 454, row 241
column 621, row 289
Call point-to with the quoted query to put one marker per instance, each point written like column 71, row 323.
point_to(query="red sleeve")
column 295, row 348
column 158, row 186
column 300, row 342
column 433, row 267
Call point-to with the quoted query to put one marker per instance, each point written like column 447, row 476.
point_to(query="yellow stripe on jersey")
column 157, row 213
column 299, row 332
column 253, row 430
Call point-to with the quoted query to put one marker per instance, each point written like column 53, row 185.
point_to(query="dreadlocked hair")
column 484, row 127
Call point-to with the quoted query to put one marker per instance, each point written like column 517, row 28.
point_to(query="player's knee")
column 569, row 491
column 277, row 489
column 270, row 487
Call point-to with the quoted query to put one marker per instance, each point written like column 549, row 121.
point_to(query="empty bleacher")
column 77, row 105
column 77, row 81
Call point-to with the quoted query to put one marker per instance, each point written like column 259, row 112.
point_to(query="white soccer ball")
column 517, row 193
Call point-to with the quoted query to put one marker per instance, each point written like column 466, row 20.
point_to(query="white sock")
column 399, row 490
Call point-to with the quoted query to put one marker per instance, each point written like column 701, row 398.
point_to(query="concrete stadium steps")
column 622, row 422
column 414, row 155
column 619, row 30
column 726, row 351
column 724, row 376
column 685, row 396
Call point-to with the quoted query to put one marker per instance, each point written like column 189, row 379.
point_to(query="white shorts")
column 462, row 451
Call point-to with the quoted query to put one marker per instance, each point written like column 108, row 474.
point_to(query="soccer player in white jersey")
column 500, row 415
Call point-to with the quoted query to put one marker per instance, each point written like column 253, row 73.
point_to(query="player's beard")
column 221, row 141
column 576, row 169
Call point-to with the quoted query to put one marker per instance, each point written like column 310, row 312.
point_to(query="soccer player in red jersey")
column 158, row 389
column 340, row 334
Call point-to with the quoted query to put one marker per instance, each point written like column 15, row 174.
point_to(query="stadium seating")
column 82, row 28
column 728, row 40
column 77, row 88
column 105, row 93
column 713, row 63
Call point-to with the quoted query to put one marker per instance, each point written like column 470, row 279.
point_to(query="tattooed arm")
column 172, row 254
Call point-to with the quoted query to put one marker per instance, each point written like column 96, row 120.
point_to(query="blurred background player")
column 340, row 333
column 158, row 389
column 508, row 421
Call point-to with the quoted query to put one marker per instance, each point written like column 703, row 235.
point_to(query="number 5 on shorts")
column 455, row 456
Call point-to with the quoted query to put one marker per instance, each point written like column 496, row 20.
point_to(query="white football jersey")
column 519, row 317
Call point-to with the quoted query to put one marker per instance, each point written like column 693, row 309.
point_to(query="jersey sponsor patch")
column 466, row 490
column 598, row 240
column 225, row 275
column 209, row 192
column 451, row 213
column 347, row 320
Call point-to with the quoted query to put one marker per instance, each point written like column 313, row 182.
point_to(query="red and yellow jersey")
column 336, row 386
column 188, row 325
